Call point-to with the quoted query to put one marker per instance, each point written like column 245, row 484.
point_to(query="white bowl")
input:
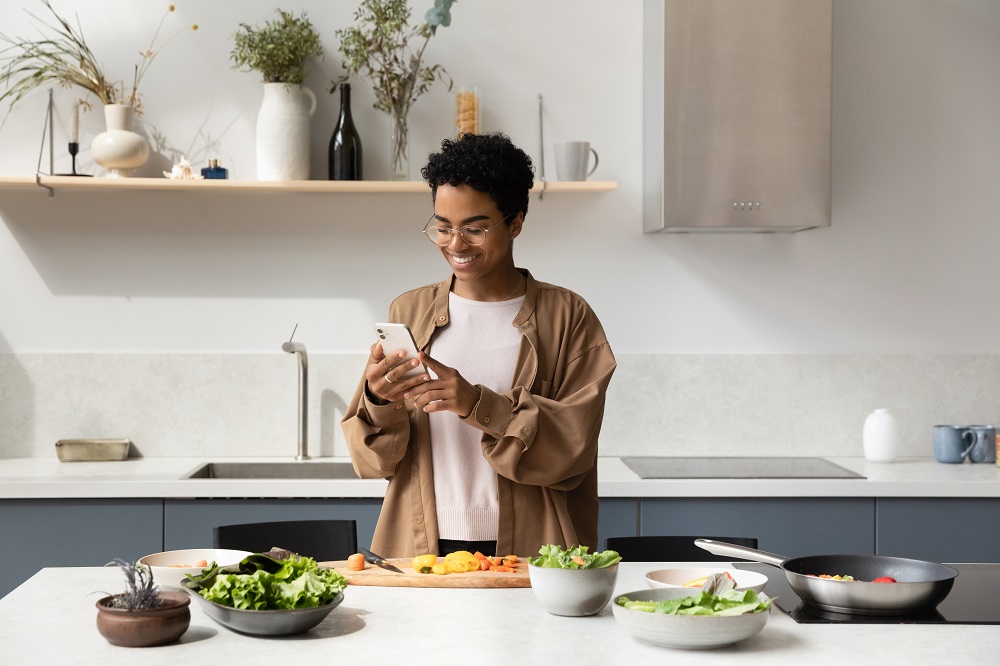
column 677, row 576
column 573, row 592
column 166, row 575
column 697, row 632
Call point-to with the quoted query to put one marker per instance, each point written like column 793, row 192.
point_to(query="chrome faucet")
column 299, row 349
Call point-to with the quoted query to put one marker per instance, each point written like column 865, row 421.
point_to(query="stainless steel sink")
column 273, row 470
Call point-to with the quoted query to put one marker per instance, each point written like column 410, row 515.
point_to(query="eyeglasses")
column 441, row 235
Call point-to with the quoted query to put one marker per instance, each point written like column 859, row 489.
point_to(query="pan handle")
column 732, row 550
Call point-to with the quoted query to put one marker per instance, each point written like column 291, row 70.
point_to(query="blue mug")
column 953, row 443
column 984, row 448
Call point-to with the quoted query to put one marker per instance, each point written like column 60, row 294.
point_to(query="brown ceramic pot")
column 148, row 626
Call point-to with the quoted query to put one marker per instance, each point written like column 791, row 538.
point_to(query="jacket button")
column 399, row 406
column 486, row 420
column 442, row 318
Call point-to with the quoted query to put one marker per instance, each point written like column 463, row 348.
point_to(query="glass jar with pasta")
column 467, row 110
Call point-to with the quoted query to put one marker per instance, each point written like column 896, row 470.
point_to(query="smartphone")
column 397, row 337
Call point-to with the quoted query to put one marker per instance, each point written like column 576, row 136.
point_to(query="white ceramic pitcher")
column 283, row 132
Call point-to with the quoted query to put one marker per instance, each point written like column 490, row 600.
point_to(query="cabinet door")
column 939, row 529
column 189, row 523
column 75, row 533
column 618, row 517
column 789, row 527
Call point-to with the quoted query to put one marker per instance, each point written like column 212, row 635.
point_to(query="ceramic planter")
column 145, row 627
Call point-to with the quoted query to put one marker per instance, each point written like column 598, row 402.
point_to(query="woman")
column 495, row 447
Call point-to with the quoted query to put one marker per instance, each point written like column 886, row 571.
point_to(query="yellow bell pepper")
column 424, row 563
column 461, row 561
column 440, row 568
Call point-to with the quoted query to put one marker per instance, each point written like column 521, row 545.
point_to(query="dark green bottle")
column 345, row 144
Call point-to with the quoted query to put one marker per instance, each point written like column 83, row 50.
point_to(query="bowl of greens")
column 714, row 616
column 268, row 594
column 573, row 582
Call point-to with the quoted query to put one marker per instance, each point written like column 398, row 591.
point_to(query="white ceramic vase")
column 118, row 149
column 283, row 132
column 881, row 436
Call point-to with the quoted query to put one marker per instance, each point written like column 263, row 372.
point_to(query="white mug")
column 572, row 158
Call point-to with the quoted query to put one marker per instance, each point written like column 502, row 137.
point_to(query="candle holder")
column 74, row 148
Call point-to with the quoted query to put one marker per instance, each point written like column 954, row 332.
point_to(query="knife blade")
column 379, row 561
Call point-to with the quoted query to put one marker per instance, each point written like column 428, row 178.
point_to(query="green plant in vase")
column 279, row 50
column 379, row 46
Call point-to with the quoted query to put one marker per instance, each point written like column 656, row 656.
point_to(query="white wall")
column 907, row 267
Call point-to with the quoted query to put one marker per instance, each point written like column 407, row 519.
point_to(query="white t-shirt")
column 482, row 343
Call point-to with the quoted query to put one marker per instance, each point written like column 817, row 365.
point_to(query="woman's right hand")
column 385, row 374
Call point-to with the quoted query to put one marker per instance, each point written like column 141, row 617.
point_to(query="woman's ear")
column 516, row 224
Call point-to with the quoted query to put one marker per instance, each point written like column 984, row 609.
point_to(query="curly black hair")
column 489, row 163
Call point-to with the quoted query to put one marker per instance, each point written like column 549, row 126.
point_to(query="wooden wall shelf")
column 44, row 183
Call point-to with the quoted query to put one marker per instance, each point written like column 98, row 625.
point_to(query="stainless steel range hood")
column 736, row 115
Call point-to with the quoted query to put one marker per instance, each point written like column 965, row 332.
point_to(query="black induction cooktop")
column 655, row 467
column 972, row 600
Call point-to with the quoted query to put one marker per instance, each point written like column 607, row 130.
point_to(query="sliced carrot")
column 484, row 564
column 579, row 560
column 479, row 556
column 503, row 569
column 356, row 562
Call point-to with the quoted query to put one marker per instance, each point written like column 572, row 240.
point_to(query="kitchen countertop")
column 51, row 619
column 44, row 478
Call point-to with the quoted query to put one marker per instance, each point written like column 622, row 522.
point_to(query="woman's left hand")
column 450, row 392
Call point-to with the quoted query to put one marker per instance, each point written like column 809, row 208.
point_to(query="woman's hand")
column 385, row 374
column 450, row 392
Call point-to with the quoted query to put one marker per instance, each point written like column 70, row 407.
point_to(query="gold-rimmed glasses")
column 441, row 235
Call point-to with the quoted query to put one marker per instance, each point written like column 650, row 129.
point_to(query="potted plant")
column 142, row 615
column 279, row 51
column 379, row 46
column 61, row 56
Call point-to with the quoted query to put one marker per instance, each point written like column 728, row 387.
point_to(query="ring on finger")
column 386, row 378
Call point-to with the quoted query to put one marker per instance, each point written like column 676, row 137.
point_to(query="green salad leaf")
column 554, row 557
column 733, row 602
column 263, row 582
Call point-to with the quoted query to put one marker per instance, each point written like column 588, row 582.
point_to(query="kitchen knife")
column 379, row 561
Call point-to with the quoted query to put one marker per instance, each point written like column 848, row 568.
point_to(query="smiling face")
column 482, row 272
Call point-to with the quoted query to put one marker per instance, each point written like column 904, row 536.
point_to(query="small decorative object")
column 279, row 51
column 881, row 436
column 73, row 146
column 214, row 171
column 118, row 149
column 467, row 111
column 182, row 171
column 379, row 46
column 142, row 615
column 345, row 144
column 63, row 57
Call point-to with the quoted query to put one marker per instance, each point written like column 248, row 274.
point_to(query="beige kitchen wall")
column 159, row 315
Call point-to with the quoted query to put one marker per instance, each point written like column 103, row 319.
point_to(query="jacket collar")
column 443, row 288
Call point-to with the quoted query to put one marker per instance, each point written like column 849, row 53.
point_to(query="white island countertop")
column 51, row 619
column 48, row 478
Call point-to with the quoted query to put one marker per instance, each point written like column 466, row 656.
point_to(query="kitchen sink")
column 273, row 470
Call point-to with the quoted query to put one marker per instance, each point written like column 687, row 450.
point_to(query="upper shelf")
column 315, row 186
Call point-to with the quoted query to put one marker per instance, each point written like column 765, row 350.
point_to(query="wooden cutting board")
column 373, row 575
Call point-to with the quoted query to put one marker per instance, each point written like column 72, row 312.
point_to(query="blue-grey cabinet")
column 941, row 529
column 41, row 533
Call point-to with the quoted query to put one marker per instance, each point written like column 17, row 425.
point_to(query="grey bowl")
column 573, row 592
column 693, row 632
column 266, row 622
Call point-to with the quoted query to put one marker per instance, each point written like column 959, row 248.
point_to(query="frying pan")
column 921, row 585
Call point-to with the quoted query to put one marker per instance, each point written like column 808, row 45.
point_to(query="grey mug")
column 984, row 447
column 952, row 443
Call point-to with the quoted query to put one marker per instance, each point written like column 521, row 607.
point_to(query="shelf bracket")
column 46, row 127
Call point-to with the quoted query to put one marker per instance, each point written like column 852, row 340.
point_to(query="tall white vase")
column 283, row 132
column 880, row 436
column 118, row 149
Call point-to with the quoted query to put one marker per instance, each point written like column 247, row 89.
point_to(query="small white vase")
column 283, row 132
column 118, row 149
column 881, row 436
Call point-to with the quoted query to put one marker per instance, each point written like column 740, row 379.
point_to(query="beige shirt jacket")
column 540, row 436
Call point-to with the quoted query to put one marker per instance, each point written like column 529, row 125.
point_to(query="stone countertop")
column 395, row 625
column 47, row 478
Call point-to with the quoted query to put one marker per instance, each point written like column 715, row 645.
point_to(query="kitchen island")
column 51, row 619
column 72, row 514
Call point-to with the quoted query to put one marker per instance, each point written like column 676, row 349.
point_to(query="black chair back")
column 671, row 548
column 323, row 540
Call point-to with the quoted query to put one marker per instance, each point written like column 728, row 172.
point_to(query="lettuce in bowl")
column 554, row 557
